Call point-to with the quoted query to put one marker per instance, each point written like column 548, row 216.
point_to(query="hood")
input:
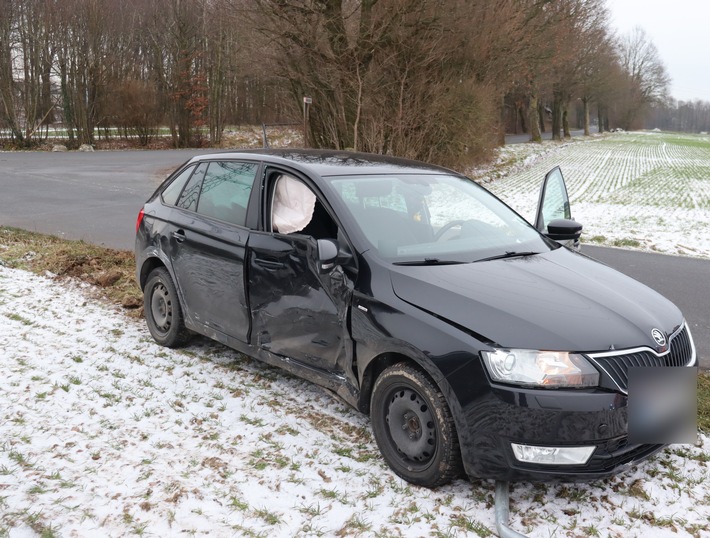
column 556, row 301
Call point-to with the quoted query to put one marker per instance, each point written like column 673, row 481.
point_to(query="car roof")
column 330, row 162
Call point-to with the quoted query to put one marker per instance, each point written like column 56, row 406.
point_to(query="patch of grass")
column 251, row 421
column 35, row 522
column 704, row 402
column 37, row 489
column 311, row 510
column 239, row 504
column 573, row 493
column 636, row 489
column 20, row 459
column 590, row 530
column 113, row 271
column 19, row 319
column 626, row 242
column 471, row 525
column 355, row 525
column 283, row 430
column 269, row 517
column 598, row 239
column 333, row 495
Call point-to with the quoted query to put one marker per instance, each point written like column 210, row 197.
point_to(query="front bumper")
column 506, row 415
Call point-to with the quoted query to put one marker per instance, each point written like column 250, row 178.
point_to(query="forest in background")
column 437, row 80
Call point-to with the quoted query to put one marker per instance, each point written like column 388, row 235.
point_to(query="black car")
column 474, row 340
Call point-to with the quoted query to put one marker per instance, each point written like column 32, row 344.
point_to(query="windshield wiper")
column 508, row 254
column 429, row 261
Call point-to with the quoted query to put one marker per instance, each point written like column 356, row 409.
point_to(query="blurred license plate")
column 662, row 405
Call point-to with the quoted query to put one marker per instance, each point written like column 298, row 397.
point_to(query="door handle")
column 179, row 236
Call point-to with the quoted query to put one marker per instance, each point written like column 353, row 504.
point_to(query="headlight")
column 546, row 369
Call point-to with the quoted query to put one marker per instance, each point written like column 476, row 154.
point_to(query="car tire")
column 414, row 428
column 162, row 310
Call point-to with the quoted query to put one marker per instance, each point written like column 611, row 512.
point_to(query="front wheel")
column 162, row 310
column 414, row 428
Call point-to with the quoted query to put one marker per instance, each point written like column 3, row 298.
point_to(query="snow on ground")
column 644, row 190
column 104, row 433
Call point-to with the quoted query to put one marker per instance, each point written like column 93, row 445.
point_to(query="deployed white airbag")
column 293, row 205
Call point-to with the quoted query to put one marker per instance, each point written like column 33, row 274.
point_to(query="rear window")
column 173, row 190
column 191, row 192
column 226, row 190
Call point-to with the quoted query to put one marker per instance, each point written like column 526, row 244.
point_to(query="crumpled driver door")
column 298, row 311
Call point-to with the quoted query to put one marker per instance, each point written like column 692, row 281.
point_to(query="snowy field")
column 104, row 433
column 645, row 190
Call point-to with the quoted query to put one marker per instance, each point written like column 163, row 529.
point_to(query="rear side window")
column 226, row 190
column 188, row 198
column 172, row 191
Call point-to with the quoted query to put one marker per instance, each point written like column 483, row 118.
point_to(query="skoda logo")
column 659, row 337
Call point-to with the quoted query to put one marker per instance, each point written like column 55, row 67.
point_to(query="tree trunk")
column 522, row 114
column 600, row 118
column 501, row 121
column 556, row 116
column 534, row 121
column 565, row 119
column 67, row 108
column 585, row 102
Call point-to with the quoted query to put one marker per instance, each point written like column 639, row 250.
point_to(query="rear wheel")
column 162, row 310
column 414, row 428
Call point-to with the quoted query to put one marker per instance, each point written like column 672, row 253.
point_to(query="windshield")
column 435, row 218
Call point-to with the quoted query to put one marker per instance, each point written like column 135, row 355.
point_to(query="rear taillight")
column 139, row 220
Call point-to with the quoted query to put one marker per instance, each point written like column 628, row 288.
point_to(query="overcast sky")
column 680, row 30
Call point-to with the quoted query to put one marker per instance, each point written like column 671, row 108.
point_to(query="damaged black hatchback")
column 475, row 341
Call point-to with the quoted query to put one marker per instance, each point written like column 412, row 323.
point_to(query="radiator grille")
column 617, row 366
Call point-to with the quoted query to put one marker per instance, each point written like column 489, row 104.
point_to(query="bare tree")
column 647, row 81
column 430, row 79
column 25, row 66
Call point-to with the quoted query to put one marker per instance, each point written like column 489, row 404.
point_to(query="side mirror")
column 564, row 230
column 327, row 254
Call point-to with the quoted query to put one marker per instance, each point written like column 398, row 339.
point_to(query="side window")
column 226, row 189
column 188, row 198
column 555, row 203
column 172, row 191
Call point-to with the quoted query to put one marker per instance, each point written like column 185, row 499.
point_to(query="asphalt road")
column 91, row 196
column 97, row 196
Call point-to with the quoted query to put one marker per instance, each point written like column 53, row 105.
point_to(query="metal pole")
column 503, row 511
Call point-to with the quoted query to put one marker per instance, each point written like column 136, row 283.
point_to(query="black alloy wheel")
column 162, row 310
column 414, row 428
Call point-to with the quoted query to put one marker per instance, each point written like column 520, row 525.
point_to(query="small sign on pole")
column 307, row 101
